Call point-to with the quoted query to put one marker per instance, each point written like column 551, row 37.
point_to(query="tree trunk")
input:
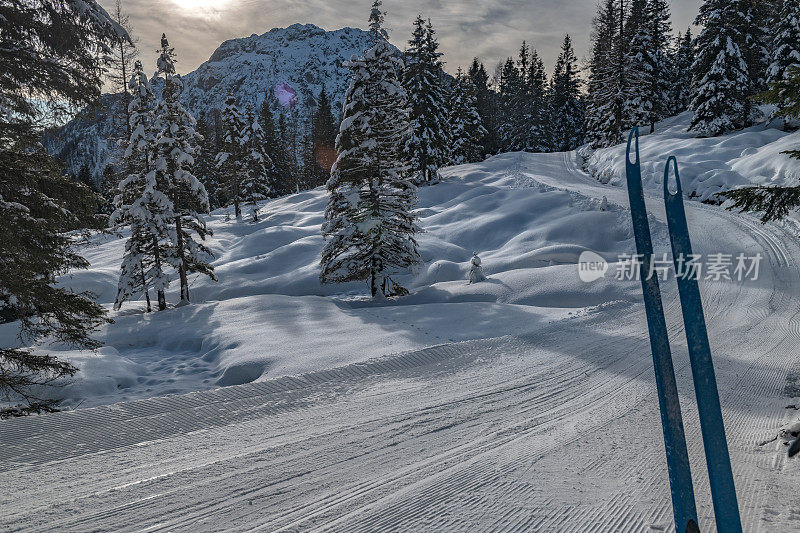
column 237, row 209
column 145, row 289
column 182, row 264
column 162, row 300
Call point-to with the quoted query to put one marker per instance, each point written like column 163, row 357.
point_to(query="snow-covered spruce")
column 466, row 129
column 140, row 204
column 231, row 157
column 785, row 53
column 256, row 185
column 369, row 226
column 606, row 79
column 475, row 269
column 177, row 142
column 721, row 81
column 427, row 148
column 566, row 105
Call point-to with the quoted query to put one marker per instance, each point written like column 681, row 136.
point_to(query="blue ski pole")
column 680, row 477
column 720, row 475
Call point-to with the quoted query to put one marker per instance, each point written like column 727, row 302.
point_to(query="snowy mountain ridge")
column 295, row 63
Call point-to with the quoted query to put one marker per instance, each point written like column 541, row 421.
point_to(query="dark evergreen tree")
column 323, row 142
column 566, row 105
column 540, row 126
column 721, row 82
column 512, row 107
column 177, row 143
column 486, row 104
column 422, row 80
column 785, row 55
column 658, row 59
column 774, row 202
column 231, row 157
column 369, row 224
column 257, row 183
column 606, row 77
column 680, row 90
column 637, row 103
column 49, row 49
column 466, row 129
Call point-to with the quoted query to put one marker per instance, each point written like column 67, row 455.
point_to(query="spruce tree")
column 774, row 202
column 540, row 125
column 140, row 204
column 721, row 81
column 638, row 100
column 256, row 185
column 466, row 130
column 680, row 90
column 486, row 104
column 566, row 104
column 658, row 58
column 50, row 51
column 606, row 79
column 369, row 224
column 785, row 54
column 231, row 157
column 512, row 107
column 422, row 79
column 177, row 142
column 323, row 142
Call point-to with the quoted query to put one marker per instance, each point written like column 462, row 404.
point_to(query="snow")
column 707, row 165
column 524, row 402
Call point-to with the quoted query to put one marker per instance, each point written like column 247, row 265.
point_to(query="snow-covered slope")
column 523, row 403
column 707, row 166
column 294, row 62
column 269, row 315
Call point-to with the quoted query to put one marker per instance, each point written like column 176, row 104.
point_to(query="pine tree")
column 140, row 204
column 177, row 142
column 466, row 130
column 428, row 146
column 774, row 202
column 637, row 101
column 486, row 104
column 721, row 82
column 566, row 104
column 231, row 158
column 658, row 58
column 540, row 129
column 121, row 68
column 512, row 107
column 50, row 51
column 323, row 142
column 369, row 225
column 606, row 77
column 785, row 54
column 256, row 185
column 680, row 91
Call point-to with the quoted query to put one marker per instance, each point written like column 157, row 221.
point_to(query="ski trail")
column 553, row 431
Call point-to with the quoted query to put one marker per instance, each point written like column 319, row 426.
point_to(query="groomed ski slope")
column 525, row 403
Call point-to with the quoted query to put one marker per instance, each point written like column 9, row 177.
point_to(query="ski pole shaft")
column 680, row 477
column 723, row 491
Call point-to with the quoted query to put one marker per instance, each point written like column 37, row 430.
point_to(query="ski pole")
column 720, row 475
column 680, row 477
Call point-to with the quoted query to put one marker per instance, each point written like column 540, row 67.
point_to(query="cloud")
column 489, row 29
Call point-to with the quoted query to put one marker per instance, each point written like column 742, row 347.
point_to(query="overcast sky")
column 489, row 29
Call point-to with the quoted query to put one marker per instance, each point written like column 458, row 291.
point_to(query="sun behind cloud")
column 202, row 8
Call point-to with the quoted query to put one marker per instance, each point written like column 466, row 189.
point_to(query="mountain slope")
column 296, row 62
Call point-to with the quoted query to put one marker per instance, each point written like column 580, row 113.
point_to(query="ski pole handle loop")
column 672, row 163
column 634, row 133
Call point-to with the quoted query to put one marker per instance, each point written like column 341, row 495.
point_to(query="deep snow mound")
column 269, row 315
column 707, row 165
